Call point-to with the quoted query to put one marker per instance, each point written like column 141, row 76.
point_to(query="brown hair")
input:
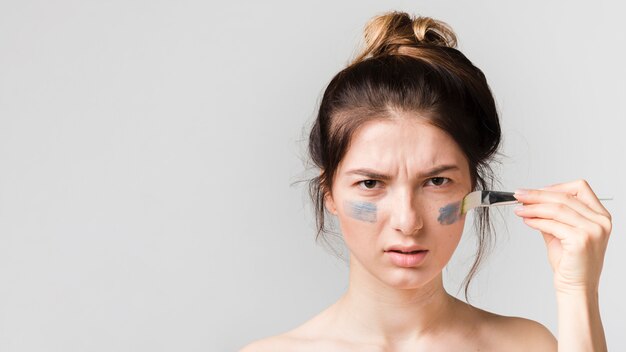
column 408, row 64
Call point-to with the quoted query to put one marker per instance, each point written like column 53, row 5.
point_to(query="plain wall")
column 148, row 151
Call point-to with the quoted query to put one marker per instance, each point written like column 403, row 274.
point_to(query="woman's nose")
column 405, row 215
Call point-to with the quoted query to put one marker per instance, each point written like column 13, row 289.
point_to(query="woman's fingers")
column 557, row 229
column 561, row 213
column 576, row 238
column 581, row 190
column 565, row 200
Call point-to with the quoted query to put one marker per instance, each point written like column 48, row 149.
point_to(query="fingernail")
column 521, row 192
column 518, row 208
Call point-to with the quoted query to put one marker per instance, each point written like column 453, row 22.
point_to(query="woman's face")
column 394, row 190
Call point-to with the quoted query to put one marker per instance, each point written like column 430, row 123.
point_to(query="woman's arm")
column 580, row 327
column 575, row 227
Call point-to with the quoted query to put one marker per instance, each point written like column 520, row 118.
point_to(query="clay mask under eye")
column 364, row 211
column 449, row 214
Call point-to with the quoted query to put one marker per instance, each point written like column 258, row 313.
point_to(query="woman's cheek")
column 450, row 213
column 360, row 210
column 450, row 232
column 359, row 224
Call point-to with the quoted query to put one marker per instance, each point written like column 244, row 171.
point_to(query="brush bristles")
column 471, row 200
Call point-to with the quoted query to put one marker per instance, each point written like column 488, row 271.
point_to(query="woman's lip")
column 406, row 260
column 405, row 249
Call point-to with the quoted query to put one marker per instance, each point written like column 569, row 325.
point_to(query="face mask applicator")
column 453, row 212
column 486, row 199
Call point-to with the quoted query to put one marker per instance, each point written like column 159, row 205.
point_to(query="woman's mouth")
column 407, row 259
column 411, row 252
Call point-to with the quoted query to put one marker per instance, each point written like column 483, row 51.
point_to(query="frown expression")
column 389, row 190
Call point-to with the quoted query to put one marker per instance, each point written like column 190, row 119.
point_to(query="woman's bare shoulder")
column 515, row 333
column 274, row 344
column 307, row 337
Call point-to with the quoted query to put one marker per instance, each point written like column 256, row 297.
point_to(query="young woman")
column 408, row 128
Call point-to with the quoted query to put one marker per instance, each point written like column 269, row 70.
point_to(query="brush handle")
column 496, row 197
column 502, row 198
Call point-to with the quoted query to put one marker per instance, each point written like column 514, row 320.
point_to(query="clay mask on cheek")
column 450, row 213
column 364, row 211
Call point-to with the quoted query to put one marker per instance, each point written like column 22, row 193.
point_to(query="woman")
column 410, row 127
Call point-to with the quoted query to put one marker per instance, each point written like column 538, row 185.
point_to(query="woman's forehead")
column 409, row 141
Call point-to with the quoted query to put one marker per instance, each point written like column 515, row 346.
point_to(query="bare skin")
column 457, row 327
column 391, row 306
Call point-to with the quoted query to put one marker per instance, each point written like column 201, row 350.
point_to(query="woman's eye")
column 439, row 181
column 368, row 184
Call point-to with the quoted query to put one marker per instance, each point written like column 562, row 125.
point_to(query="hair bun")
column 386, row 33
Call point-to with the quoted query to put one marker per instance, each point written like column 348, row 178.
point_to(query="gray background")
column 147, row 152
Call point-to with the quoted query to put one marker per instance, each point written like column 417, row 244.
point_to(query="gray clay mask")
column 364, row 211
column 450, row 214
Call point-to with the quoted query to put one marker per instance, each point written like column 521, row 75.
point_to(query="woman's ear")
column 329, row 202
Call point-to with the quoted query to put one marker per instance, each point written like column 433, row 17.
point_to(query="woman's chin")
column 407, row 280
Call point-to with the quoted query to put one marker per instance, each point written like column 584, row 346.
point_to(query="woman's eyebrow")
column 379, row 176
column 368, row 173
column 439, row 169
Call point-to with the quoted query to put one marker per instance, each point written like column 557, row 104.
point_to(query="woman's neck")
column 373, row 311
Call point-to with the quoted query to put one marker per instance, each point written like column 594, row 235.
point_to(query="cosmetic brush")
column 488, row 198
